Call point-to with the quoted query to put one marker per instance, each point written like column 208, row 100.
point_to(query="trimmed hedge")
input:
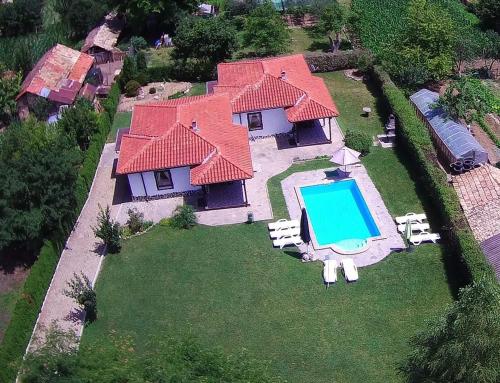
column 329, row 62
column 414, row 139
column 28, row 306
column 26, row 311
column 491, row 134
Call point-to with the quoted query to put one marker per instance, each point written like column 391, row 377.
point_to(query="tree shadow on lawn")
column 456, row 271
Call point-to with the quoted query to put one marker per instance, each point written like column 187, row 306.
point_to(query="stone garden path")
column 83, row 253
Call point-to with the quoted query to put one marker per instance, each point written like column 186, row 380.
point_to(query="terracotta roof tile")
column 162, row 136
column 275, row 82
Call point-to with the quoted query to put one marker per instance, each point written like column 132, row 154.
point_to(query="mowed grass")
column 227, row 287
column 7, row 303
column 304, row 40
column 121, row 120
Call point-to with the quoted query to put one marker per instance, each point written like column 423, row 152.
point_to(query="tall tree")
column 463, row 345
column 265, row 32
column 38, row 168
column 489, row 12
column 468, row 98
column 80, row 16
column 10, row 83
column 332, row 22
column 213, row 39
column 425, row 50
column 154, row 16
column 79, row 122
column 20, row 17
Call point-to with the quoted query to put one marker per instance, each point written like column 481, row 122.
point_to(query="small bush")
column 135, row 221
column 41, row 108
column 81, row 290
column 184, row 217
column 138, row 43
column 142, row 78
column 152, row 90
column 358, row 141
column 328, row 62
column 132, row 88
column 108, row 230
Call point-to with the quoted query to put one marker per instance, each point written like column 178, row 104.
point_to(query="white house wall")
column 274, row 121
column 180, row 178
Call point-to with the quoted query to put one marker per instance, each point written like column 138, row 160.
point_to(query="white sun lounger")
column 350, row 270
column 424, row 236
column 330, row 271
column 286, row 241
column 283, row 224
column 285, row 232
column 412, row 217
column 414, row 227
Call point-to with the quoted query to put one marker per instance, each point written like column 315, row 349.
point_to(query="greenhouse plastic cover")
column 455, row 136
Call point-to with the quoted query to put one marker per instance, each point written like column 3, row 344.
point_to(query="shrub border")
column 415, row 139
column 27, row 309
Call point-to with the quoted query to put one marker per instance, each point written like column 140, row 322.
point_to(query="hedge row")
column 329, row 62
column 24, row 316
column 26, row 311
column 415, row 140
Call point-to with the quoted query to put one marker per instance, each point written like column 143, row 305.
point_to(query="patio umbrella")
column 345, row 156
column 408, row 233
column 305, row 235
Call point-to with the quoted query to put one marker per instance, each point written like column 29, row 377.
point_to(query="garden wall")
column 25, row 314
column 414, row 139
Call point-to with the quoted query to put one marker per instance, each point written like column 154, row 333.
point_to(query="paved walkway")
column 267, row 160
column 479, row 194
column 83, row 253
column 390, row 240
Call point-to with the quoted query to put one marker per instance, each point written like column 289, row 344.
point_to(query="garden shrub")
column 25, row 312
column 160, row 73
column 328, row 62
column 108, row 230
column 359, row 141
column 135, row 221
column 152, row 90
column 80, row 289
column 414, row 139
column 142, row 78
column 132, row 88
column 184, row 217
column 138, row 43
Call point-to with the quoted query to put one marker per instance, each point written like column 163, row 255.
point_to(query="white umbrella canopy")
column 345, row 156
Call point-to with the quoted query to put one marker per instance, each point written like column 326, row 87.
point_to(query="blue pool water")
column 338, row 212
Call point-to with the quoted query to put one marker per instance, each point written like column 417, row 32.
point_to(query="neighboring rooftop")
column 454, row 136
column 105, row 36
column 190, row 131
column 278, row 82
column 58, row 75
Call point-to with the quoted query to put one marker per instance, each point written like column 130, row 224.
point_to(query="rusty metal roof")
column 58, row 75
column 105, row 36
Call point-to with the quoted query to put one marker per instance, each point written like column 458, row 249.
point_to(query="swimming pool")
column 339, row 215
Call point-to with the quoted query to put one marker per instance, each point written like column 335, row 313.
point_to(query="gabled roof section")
column 105, row 35
column 58, row 75
column 278, row 82
column 191, row 131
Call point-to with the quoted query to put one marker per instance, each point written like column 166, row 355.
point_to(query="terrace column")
column 245, row 192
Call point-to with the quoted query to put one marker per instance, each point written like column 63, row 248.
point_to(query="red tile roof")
column 259, row 84
column 161, row 136
column 58, row 75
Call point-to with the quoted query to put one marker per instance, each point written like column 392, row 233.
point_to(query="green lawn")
column 7, row 303
column 121, row 120
column 229, row 288
column 158, row 57
column 303, row 40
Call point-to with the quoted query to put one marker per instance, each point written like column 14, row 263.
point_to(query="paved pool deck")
column 389, row 241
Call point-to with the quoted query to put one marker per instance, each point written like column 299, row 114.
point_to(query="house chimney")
column 194, row 126
column 283, row 74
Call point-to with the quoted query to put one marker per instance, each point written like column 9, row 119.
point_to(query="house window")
column 255, row 121
column 164, row 180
